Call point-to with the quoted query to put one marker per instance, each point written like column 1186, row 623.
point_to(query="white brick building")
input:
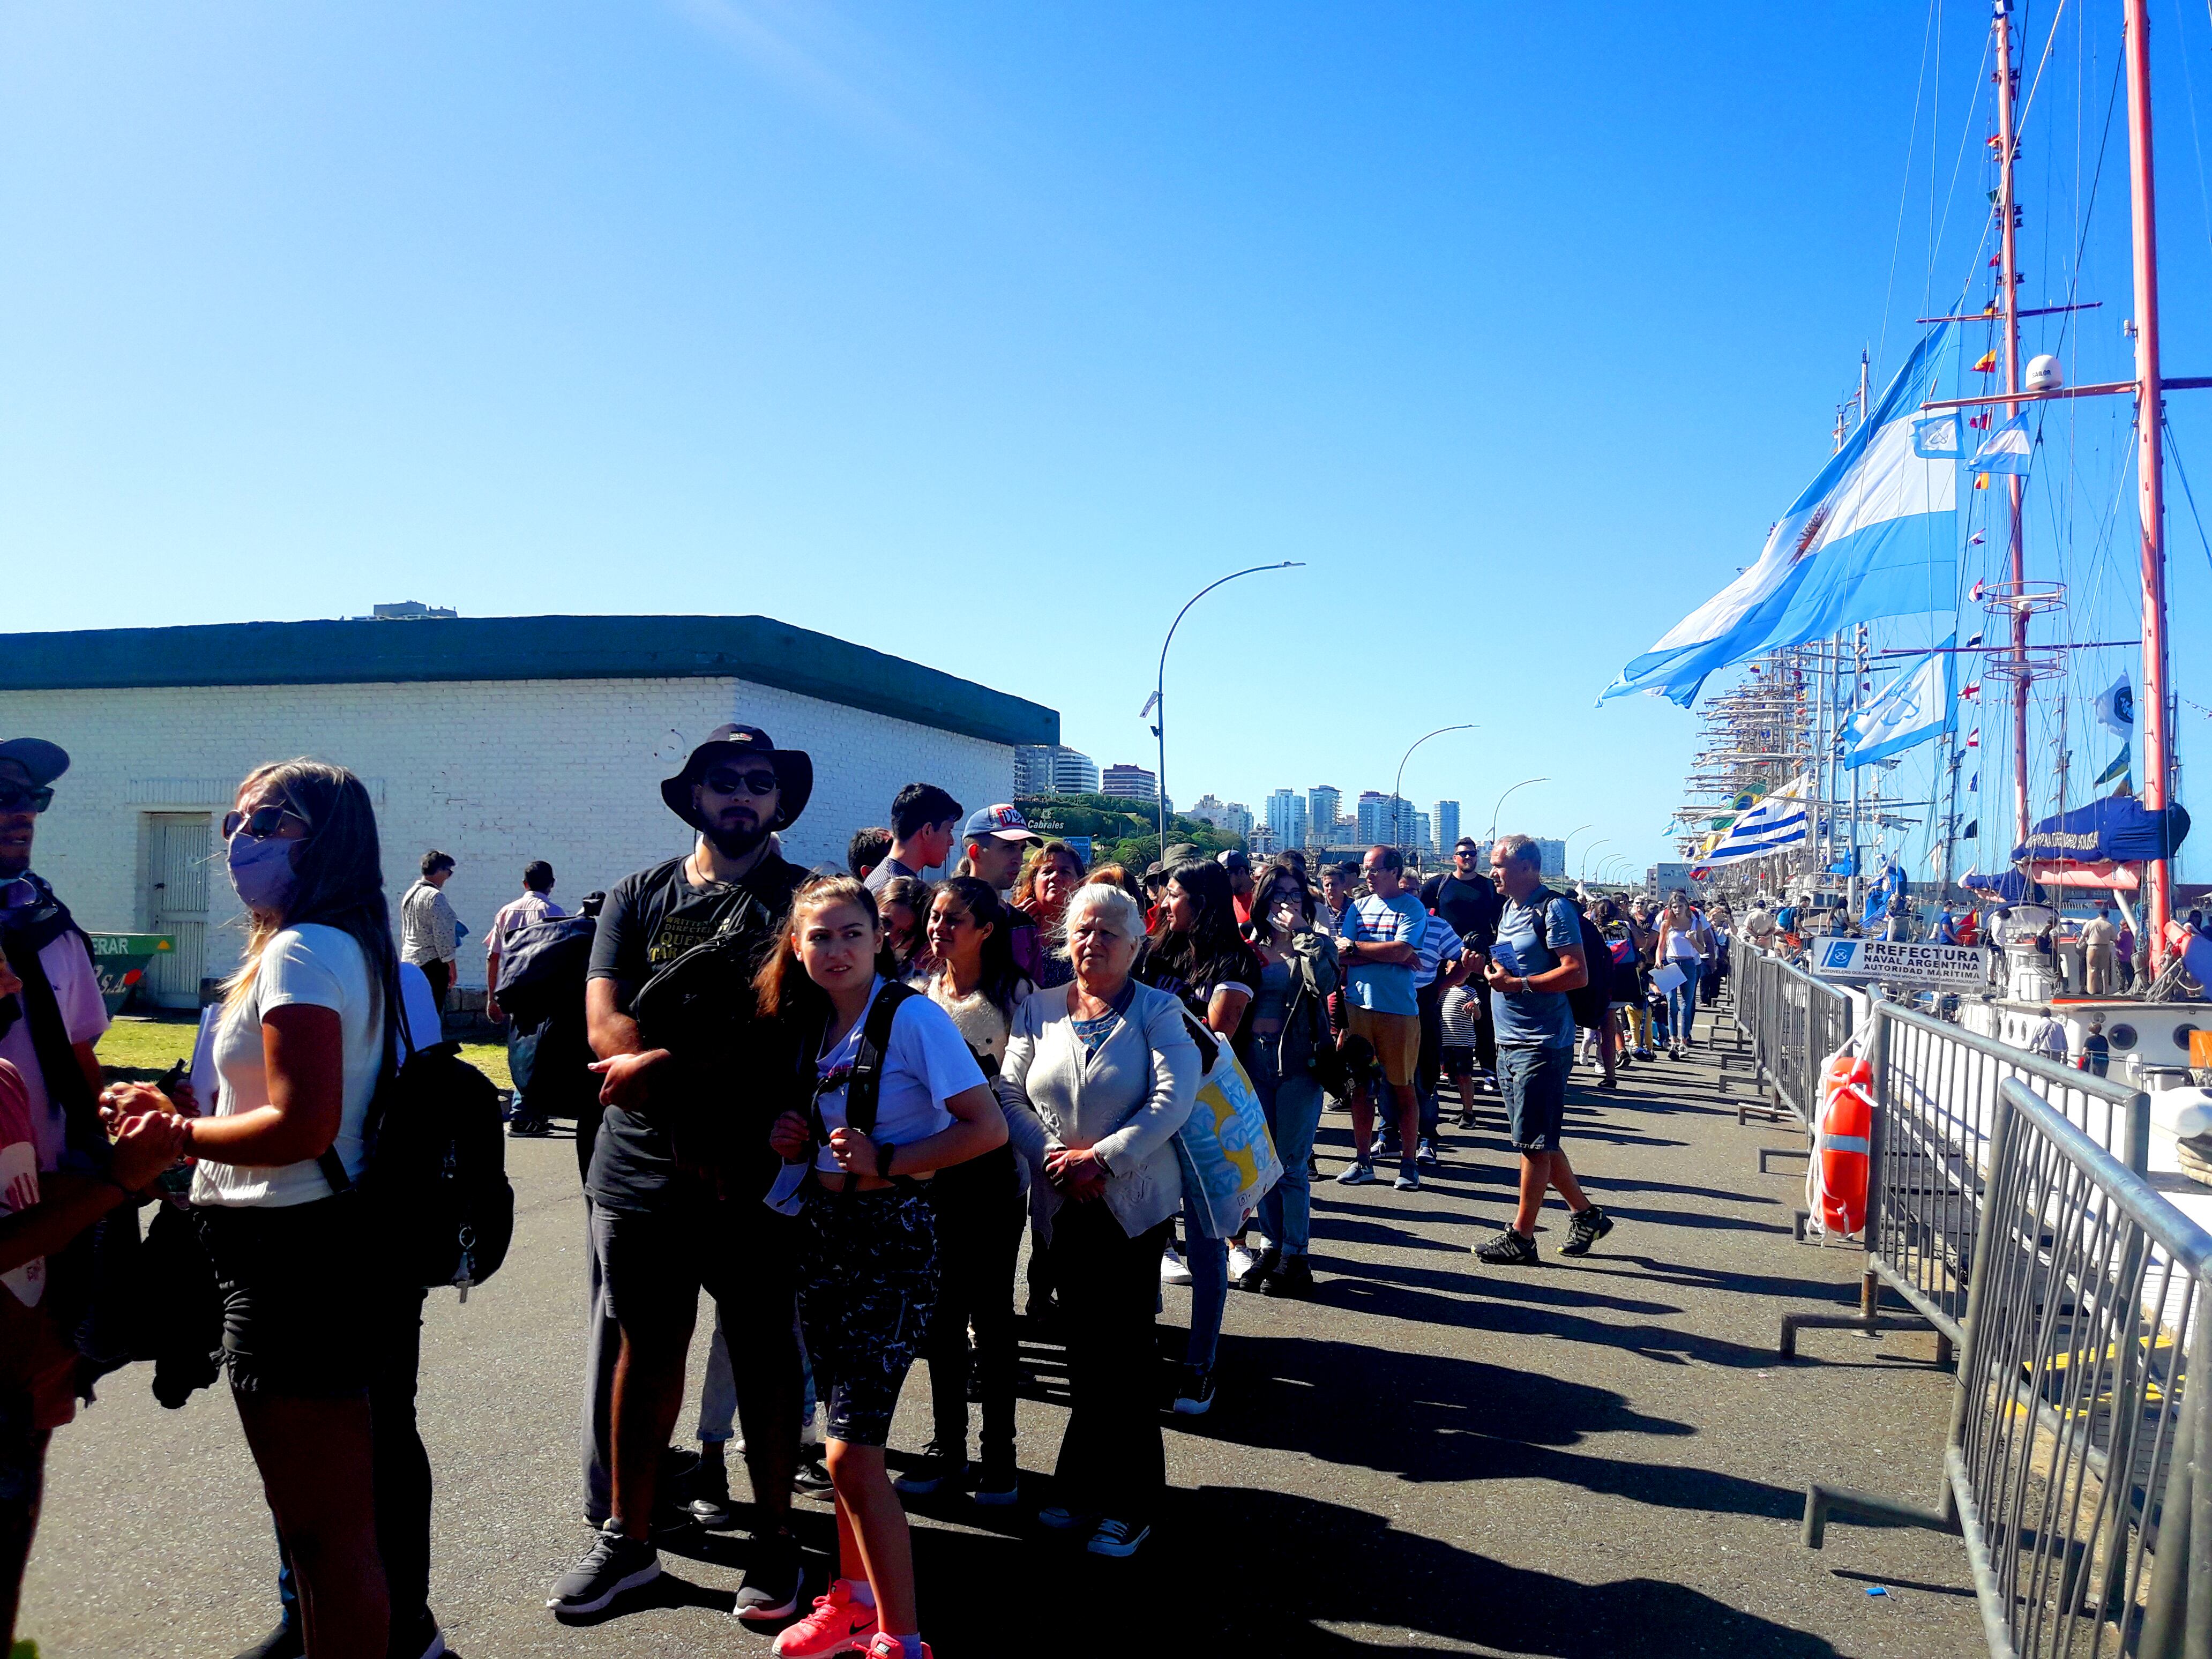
column 497, row 740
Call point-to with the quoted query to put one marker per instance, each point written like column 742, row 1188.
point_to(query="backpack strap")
column 396, row 1029
column 864, row 1087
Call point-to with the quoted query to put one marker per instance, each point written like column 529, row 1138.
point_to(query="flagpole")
column 1851, row 858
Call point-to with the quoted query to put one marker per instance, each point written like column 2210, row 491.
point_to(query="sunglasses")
column 261, row 822
column 724, row 781
column 14, row 800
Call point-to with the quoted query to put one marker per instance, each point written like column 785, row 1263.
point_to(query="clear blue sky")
column 985, row 334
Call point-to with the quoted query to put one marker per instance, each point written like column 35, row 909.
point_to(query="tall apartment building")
column 1286, row 818
column 1125, row 782
column 1421, row 836
column 1324, row 801
column 1385, row 820
column 1054, row 768
column 1446, row 817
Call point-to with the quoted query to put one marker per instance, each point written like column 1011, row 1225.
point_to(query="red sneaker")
column 837, row 1624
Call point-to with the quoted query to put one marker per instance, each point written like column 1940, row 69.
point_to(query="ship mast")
column 2009, row 308
column 2150, row 466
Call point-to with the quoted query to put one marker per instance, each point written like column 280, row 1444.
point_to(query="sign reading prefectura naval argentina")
column 1966, row 966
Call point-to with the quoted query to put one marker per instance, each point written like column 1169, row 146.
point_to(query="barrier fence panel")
column 2076, row 1430
column 1936, row 1095
column 1792, row 1023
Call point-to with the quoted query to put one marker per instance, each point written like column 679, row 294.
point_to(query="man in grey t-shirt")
column 1537, row 960
column 924, row 819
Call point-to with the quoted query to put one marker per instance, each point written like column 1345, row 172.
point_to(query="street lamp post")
column 1155, row 705
column 1567, row 846
column 1603, row 841
column 1500, row 807
column 1398, row 813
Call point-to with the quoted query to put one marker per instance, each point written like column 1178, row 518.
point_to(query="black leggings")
column 978, row 1238
column 1113, row 1462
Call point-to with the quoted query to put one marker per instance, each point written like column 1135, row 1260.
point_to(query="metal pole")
column 2150, row 467
column 2008, row 304
column 1602, row 841
column 1851, row 868
column 1500, row 807
column 1158, row 707
column 1397, row 804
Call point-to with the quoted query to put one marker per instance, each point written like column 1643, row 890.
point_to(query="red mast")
column 2008, row 306
column 2150, row 466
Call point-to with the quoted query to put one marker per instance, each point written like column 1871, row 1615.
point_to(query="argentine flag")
column 1915, row 707
column 1778, row 822
column 1876, row 534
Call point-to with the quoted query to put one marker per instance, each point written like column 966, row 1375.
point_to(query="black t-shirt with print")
column 649, row 920
column 1472, row 908
column 1194, row 987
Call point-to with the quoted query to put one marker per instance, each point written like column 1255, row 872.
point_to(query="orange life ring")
column 1842, row 1142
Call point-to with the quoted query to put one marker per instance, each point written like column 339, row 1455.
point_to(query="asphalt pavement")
column 1585, row 1458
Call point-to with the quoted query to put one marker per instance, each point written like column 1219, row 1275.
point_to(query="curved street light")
column 1156, row 703
column 1500, row 807
column 1603, row 841
column 1398, row 815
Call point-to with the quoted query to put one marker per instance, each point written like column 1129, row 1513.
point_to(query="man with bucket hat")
column 682, row 1162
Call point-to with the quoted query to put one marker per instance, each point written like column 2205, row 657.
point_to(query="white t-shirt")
column 322, row 968
column 84, row 1017
column 926, row 1063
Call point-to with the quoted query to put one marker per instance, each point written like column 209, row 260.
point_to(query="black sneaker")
column 1256, row 1277
column 936, row 1467
column 1509, row 1250
column 529, row 1128
column 1195, row 1398
column 812, row 1478
column 1292, row 1279
column 1466, row 1119
column 1584, row 1228
column 614, row 1563
column 287, row 1641
column 773, row 1579
column 418, row 1637
column 998, row 1481
column 710, row 1496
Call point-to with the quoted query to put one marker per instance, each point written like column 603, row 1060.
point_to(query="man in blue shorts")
column 1537, row 960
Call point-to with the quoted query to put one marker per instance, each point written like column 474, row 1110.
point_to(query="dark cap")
column 44, row 761
column 1233, row 859
column 794, row 772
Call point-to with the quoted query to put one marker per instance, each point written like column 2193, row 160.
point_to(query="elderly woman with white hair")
column 1099, row 1075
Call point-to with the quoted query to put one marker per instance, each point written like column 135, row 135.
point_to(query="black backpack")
column 1588, row 1001
column 435, row 1180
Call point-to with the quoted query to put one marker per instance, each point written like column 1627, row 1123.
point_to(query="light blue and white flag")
column 1937, row 439
column 1778, row 822
column 1915, row 707
column 2007, row 449
column 1876, row 534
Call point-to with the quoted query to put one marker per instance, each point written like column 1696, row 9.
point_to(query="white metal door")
column 181, row 854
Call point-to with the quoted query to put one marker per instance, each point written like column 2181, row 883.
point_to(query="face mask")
column 262, row 871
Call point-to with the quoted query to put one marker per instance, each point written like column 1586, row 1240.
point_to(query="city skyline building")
column 1286, row 818
column 1054, row 768
column 1324, row 803
column 1445, row 815
column 1125, row 782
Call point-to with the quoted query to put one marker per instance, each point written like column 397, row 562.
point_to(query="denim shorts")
column 296, row 1291
column 1533, row 1080
column 867, row 1285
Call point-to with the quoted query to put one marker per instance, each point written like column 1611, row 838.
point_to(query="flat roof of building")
column 363, row 652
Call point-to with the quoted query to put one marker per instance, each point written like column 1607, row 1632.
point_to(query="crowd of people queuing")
column 834, row 1100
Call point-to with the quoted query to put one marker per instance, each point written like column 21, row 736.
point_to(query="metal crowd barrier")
column 1793, row 1021
column 1937, row 1090
column 2074, row 1460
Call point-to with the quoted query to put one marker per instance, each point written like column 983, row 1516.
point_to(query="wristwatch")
column 884, row 1151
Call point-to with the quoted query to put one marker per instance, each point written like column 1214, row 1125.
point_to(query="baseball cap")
column 1003, row 821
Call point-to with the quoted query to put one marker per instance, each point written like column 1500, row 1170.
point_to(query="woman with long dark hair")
column 868, row 1269
column 902, row 904
column 979, row 1209
column 1197, row 954
column 1290, row 1023
column 311, row 1325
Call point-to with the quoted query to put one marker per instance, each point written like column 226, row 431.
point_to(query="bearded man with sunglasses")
column 681, row 1165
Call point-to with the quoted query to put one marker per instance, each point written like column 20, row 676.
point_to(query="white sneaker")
column 1172, row 1271
column 1241, row 1260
